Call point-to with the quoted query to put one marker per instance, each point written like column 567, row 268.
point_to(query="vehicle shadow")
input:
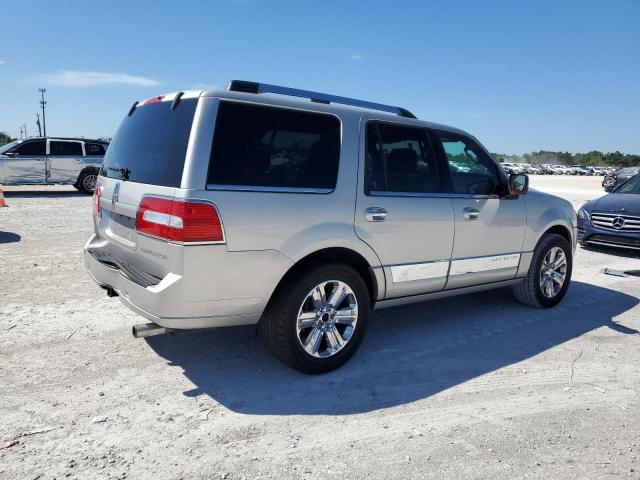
column 43, row 193
column 410, row 353
column 9, row 237
column 616, row 252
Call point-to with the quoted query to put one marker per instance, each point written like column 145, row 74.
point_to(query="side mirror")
column 608, row 189
column 518, row 184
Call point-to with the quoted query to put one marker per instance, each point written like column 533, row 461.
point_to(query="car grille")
column 616, row 241
column 616, row 222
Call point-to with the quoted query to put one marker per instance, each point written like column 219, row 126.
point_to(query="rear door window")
column 399, row 159
column 150, row 145
column 258, row 146
column 65, row 148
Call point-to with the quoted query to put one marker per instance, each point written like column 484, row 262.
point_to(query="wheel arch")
column 335, row 254
column 561, row 230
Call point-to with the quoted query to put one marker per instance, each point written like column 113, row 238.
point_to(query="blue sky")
column 520, row 75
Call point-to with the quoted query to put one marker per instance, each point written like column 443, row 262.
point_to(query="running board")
column 423, row 297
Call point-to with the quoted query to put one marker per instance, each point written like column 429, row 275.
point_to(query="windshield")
column 151, row 144
column 8, row 146
column 630, row 186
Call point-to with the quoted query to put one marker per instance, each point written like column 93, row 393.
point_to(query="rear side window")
column 274, row 147
column 399, row 159
column 32, row 148
column 150, row 145
column 94, row 149
column 65, row 148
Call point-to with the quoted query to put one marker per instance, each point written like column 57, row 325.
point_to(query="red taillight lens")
column 97, row 192
column 179, row 221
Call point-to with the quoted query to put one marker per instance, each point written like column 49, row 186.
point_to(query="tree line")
column 592, row 159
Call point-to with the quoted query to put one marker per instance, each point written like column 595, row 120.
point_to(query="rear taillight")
column 184, row 221
column 97, row 192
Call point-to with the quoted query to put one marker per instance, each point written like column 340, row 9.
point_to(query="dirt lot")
column 475, row 387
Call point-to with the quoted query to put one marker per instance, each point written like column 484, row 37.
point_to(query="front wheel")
column 316, row 322
column 549, row 274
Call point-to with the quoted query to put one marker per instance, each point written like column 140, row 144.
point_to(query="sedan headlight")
column 583, row 214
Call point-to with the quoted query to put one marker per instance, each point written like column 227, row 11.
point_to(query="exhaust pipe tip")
column 148, row 330
column 111, row 293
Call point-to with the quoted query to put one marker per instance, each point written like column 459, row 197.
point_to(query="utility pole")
column 42, row 104
column 38, row 123
column 20, row 132
column 26, row 136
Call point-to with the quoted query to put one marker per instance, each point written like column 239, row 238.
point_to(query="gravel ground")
column 475, row 387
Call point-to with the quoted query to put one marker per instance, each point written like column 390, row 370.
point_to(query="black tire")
column 278, row 326
column 529, row 290
column 83, row 183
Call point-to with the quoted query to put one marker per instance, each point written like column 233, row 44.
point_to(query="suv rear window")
column 151, row 144
column 94, row 149
column 258, row 146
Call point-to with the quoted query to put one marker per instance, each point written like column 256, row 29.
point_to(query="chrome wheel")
column 327, row 318
column 553, row 272
column 89, row 182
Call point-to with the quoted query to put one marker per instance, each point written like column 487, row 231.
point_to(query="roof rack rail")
column 255, row 87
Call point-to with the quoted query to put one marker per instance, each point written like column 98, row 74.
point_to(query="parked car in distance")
column 547, row 169
column 531, row 169
column 511, row 168
column 38, row 161
column 617, row 178
column 613, row 220
column 578, row 170
column 306, row 212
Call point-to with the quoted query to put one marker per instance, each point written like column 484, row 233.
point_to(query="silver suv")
column 247, row 206
column 48, row 161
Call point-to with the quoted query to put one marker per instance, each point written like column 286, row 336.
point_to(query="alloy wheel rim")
column 553, row 272
column 327, row 318
column 89, row 182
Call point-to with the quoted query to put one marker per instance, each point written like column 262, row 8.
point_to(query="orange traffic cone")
column 2, row 201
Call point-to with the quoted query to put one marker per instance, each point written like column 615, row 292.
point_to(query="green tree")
column 5, row 138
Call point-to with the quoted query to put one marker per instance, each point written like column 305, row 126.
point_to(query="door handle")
column 376, row 214
column 470, row 213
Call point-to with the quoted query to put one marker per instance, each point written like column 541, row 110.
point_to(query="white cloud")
column 2, row 62
column 357, row 57
column 75, row 78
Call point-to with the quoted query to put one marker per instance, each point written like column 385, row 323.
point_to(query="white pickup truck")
column 35, row 161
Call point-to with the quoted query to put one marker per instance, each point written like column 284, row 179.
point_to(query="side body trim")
column 419, row 271
column 484, row 264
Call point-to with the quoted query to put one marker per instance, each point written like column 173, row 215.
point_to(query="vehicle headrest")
column 402, row 160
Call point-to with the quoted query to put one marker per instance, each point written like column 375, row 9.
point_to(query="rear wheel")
column 549, row 274
column 318, row 319
column 87, row 180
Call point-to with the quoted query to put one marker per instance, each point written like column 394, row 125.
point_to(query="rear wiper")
column 124, row 172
